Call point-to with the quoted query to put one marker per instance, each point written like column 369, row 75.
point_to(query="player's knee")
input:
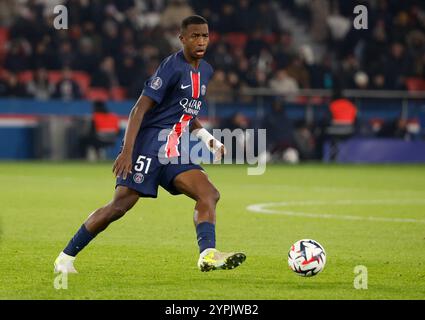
column 211, row 196
column 215, row 195
column 117, row 210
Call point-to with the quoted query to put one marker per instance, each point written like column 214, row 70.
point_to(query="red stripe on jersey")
column 173, row 139
column 196, row 84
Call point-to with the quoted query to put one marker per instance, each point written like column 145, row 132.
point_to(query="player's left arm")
column 215, row 146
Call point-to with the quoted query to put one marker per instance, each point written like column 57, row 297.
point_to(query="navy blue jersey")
column 179, row 90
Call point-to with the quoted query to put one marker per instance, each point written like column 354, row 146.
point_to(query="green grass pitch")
column 151, row 253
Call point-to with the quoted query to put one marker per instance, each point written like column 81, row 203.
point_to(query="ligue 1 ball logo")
column 138, row 178
column 203, row 89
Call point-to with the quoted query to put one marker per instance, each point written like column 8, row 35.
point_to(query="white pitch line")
column 265, row 208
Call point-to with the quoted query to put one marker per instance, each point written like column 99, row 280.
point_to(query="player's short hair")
column 195, row 19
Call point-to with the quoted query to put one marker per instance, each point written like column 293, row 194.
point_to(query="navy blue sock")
column 205, row 232
column 78, row 242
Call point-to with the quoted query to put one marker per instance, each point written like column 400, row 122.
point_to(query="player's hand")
column 122, row 165
column 218, row 149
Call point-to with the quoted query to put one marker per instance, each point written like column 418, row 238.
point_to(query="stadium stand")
column 289, row 46
column 242, row 32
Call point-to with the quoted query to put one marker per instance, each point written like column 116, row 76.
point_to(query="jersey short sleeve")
column 165, row 77
column 211, row 71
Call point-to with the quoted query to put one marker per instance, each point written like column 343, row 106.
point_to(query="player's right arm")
column 153, row 93
column 123, row 163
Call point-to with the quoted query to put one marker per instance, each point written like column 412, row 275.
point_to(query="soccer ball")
column 306, row 257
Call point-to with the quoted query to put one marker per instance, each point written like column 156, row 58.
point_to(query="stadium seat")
column 270, row 38
column 54, row 76
column 80, row 77
column 214, row 37
column 25, row 76
column 415, row 84
column 118, row 93
column 83, row 79
column 3, row 73
column 301, row 100
column 4, row 36
column 236, row 39
column 95, row 94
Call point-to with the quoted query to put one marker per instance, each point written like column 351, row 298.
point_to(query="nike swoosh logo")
column 184, row 87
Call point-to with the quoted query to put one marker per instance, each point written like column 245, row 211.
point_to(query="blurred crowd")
column 118, row 44
column 111, row 47
column 388, row 55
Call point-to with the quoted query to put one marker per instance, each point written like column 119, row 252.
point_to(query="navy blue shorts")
column 148, row 172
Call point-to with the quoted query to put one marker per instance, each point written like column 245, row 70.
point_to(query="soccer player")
column 171, row 99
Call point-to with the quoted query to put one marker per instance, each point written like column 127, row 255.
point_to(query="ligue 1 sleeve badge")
column 138, row 177
column 156, row 83
column 203, row 89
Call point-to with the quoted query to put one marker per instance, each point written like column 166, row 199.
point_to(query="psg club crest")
column 203, row 89
column 156, row 83
column 138, row 178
